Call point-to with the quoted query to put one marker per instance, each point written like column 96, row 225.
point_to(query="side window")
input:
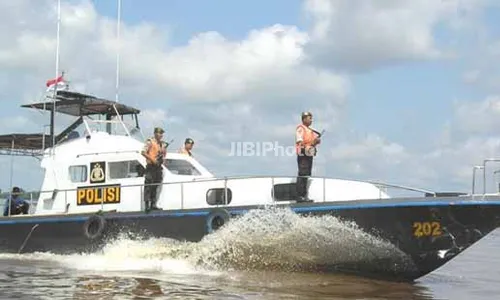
column 217, row 196
column 284, row 192
column 125, row 169
column 181, row 167
column 78, row 173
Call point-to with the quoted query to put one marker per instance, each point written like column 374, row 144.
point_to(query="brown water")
column 163, row 269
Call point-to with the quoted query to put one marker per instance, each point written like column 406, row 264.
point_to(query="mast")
column 52, row 113
column 117, row 85
column 118, row 49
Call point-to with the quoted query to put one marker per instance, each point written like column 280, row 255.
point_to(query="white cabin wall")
column 192, row 193
column 258, row 191
column 82, row 151
column 343, row 190
column 52, row 181
column 44, row 202
column 131, row 188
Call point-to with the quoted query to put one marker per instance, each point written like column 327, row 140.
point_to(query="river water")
column 247, row 259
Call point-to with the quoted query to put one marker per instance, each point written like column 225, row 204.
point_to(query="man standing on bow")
column 154, row 151
column 306, row 141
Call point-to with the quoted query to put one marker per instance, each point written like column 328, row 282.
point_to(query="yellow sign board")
column 104, row 194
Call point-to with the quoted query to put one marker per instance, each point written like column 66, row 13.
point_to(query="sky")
column 408, row 92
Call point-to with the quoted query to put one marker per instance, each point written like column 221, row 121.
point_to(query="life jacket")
column 155, row 150
column 308, row 137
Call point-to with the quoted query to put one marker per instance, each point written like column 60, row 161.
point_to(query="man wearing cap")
column 154, row 151
column 306, row 141
column 188, row 147
column 15, row 204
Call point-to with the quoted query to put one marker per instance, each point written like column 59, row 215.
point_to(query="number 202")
column 427, row 229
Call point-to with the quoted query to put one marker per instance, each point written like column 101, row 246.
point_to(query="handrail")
column 399, row 186
column 87, row 127
column 120, row 120
column 474, row 177
column 413, row 189
column 484, row 171
column 108, row 152
column 273, row 178
column 494, row 179
column 104, row 121
column 226, row 178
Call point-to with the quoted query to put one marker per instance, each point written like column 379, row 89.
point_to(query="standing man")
column 154, row 151
column 188, row 147
column 305, row 144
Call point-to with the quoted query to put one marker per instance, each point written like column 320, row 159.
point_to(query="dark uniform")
column 16, row 205
column 155, row 152
column 306, row 140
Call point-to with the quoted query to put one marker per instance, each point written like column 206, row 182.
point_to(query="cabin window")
column 78, row 173
column 284, row 192
column 217, row 196
column 125, row 169
column 181, row 167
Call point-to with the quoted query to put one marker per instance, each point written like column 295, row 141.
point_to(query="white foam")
column 261, row 239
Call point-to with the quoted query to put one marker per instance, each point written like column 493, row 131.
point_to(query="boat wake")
column 266, row 239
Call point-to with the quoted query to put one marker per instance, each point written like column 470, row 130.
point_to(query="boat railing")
column 117, row 121
column 92, row 125
column 383, row 188
column 483, row 169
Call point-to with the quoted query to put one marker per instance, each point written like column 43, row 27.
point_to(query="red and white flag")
column 57, row 83
column 51, row 82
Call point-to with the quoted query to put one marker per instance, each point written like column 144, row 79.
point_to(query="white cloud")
column 212, row 89
column 217, row 91
column 481, row 117
column 360, row 34
column 484, row 73
column 466, row 141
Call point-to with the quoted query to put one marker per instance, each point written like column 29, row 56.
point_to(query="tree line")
column 24, row 194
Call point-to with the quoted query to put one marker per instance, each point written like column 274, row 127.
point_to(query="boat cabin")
column 98, row 169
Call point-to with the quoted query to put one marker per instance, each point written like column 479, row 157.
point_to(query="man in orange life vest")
column 154, row 151
column 188, row 147
column 305, row 143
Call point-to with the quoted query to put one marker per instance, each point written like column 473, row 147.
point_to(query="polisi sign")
column 103, row 194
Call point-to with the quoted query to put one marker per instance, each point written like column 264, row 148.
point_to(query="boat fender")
column 216, row 219
column 94, row 226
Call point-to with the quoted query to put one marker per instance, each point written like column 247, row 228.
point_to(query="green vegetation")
column 25, row 194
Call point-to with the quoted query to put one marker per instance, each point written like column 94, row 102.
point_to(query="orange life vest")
column 155, row 149
column 308, row 137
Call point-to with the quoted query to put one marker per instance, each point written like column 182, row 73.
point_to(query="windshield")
column 181, row 167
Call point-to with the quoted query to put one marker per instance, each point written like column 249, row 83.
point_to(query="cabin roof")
column 25, row 141
column 78, row 104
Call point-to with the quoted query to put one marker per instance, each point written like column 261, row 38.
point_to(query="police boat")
column 93, row 189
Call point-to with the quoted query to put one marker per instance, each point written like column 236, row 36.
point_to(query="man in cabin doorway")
column 17, row 204
column 306, row 141
column 154, row 151
column 188, row 147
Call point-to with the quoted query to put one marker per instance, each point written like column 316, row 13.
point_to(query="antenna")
column 118, row 50
column 52, row 113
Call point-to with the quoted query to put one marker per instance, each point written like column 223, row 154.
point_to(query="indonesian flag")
column 56, row 83
column 51, row 82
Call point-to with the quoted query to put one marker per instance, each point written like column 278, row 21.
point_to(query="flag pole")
column 118, row 49
column 52, row 113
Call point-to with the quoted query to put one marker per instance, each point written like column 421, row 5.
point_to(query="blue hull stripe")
column 301, row 209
